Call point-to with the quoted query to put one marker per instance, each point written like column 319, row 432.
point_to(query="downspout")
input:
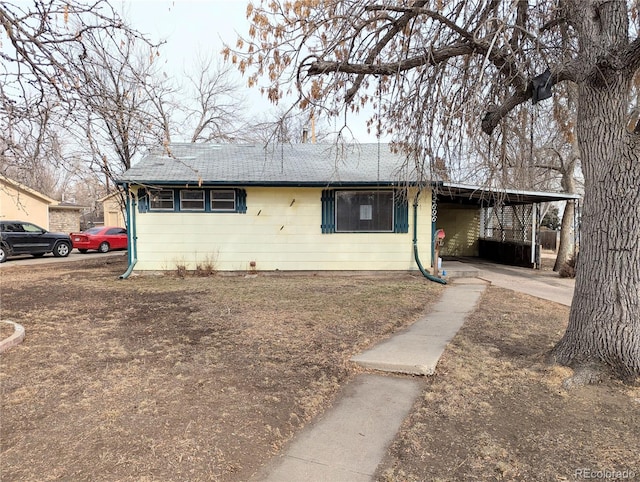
column 415, row 245
column 132, row 252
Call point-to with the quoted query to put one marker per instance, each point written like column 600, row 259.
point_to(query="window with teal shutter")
column 353, row 211
column 143, row 200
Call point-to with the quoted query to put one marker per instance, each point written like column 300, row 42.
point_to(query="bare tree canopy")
column 440, row 73
column 44, row 37
column 115, row 112
column 214, row 113
column 77, row 70
column 47, row 45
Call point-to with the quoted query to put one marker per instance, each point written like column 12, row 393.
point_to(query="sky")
column 199, row 27
column 188, row 26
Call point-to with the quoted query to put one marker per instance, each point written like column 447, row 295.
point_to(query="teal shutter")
column 241, row 201
column 143, row 200
column 328, row 211
column 401, row 214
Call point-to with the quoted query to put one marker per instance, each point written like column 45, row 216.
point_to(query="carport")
column 500, row 225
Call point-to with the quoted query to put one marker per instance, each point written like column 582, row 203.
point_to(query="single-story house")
column 305, row 207
column 20, row 202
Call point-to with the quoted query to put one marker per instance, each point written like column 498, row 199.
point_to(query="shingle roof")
column 299, row 164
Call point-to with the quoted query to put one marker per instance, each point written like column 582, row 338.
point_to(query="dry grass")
column 6, row 330
column 169, row 378
column 205, row 378
column 496, row 411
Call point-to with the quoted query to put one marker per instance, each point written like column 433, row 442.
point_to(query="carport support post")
column 534, row 227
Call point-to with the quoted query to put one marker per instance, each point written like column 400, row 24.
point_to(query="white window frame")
column 192, row 200
column 156, row 192
column 233, row 207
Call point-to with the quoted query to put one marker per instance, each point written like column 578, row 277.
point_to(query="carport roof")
column 483, row 196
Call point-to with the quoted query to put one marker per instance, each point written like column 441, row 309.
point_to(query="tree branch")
column 433, row 58
column 493, row 116
column 396, row 27
column 424, row 11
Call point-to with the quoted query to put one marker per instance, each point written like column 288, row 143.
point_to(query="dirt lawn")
column 206, row 378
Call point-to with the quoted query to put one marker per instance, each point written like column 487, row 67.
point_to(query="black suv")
column 19, row 237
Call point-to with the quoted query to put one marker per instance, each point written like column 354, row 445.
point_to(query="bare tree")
column 164, row 107
column 35, row 151
column 117, row 113
column 212, row 103
column 285, row 126
column 44, row 37
column 537, row 151
column 556, row 161
column 40, row 84
column 559, row 159
column 449, row 69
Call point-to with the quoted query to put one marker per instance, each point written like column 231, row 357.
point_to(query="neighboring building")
column 306, row 207
column 65, row 217
column 113, row 209
column 20, row 202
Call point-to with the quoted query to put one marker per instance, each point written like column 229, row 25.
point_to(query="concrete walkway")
column 416, row 350
column 350, row 440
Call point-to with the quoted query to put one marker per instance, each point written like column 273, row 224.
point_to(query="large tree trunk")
column 604, row 323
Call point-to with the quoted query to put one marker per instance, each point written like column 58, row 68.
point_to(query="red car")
column 102, row 239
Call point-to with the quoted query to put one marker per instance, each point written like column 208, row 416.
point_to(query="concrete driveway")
column 28, row 260
column 541, row 284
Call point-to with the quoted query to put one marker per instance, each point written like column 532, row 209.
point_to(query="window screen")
column 192, row 200
column 365, row 211
column 161, row 199
column 223, row 200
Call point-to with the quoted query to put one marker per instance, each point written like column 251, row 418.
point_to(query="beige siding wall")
column 20, row 205
column 112, row 213
column 461, row 225
column 276, row 235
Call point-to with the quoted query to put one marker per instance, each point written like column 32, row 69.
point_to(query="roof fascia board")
column 514, row 192
column 267, row 184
